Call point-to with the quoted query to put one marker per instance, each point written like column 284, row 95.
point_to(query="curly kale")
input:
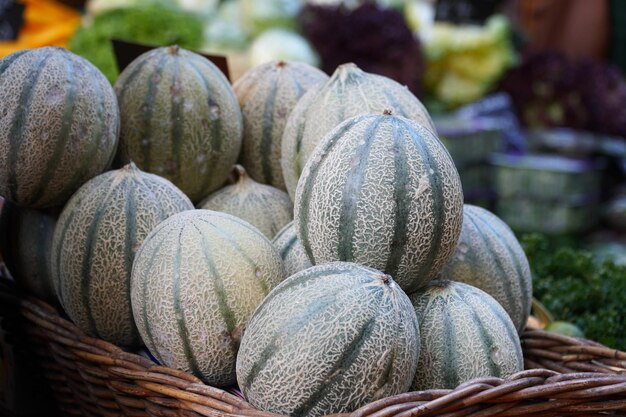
column 576, row 288
column 375, row 38
column 152, row 25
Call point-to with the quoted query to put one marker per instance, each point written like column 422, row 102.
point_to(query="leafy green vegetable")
column 576, row 288
column 152, row 25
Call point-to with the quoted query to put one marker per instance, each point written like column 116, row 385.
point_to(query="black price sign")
column 11, row 19
column 126, row 52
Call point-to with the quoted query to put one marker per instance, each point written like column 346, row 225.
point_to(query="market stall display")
column 385, row 295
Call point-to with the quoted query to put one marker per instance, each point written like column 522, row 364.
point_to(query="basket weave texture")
column 90, row 377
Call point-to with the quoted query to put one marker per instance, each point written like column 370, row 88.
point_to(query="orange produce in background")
column 46, row 23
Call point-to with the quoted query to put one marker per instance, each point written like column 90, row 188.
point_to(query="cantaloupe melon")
column 98, row 233
column 263, row 206
column 59, row 125
column 489, row 256
column 195, row 283
column 180, row 119
column 349, row 92
column 382, row 191
column 464, row 334
column 329, row 339
column 291, row 250
column 26, row 245
column 267, row 94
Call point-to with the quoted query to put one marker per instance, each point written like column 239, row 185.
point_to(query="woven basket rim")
column 564, row 375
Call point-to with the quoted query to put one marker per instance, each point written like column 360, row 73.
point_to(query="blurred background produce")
column 148, row 23
column 35, row 23
column 374, row 37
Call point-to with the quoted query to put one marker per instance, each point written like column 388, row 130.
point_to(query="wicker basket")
column 90, row 377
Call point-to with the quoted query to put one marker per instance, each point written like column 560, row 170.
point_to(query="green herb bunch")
column 576, row 288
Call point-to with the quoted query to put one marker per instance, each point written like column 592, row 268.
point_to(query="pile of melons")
column 370, row 286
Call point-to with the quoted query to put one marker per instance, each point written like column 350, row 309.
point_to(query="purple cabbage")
column 550, row 90
column 375, row 38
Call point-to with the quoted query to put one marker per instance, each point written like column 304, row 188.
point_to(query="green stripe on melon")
column 465, row 334
column 291, row 250
column 382, row 191
column 267, row 94
column 328, row 340
column 349, row 92
column 489, row 256
column 263, row 206
column 59, row 125
column 195, row 283
column 94, row 244
column 180, row 119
